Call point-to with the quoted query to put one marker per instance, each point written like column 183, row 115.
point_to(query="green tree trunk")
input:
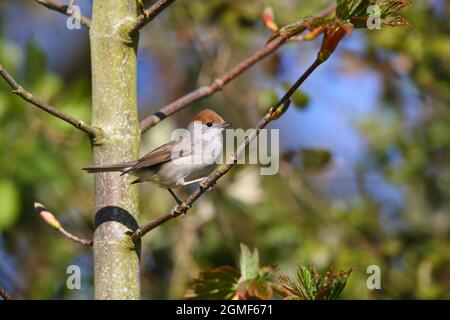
column 116, row 257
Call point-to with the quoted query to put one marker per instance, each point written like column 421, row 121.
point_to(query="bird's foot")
column 182, row 208
column 206, row 185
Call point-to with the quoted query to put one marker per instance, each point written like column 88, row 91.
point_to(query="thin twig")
column 273, row 113
column 27, row 96
column 57, row 6
column 210, row 89
column 51, row 220
column 5, row 295
column 148, row 15
column 219, row 83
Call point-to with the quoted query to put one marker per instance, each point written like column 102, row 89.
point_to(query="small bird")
column 179, row 162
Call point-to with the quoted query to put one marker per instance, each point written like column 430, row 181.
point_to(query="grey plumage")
column 152, row 159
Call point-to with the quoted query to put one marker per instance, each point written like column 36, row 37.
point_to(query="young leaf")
column 219, row 284
column 268, row 19
column 249, row 263
column 358, row 11
column 258, row 288
column 297, row 27
column 299, row 98
column 310, row 285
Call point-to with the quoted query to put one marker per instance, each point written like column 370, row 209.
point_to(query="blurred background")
column 365, row 171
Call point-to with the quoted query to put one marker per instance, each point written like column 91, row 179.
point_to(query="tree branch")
column 5, row 295
column 55, row 5
column 148, row 15
column 272, row 114
column 51, row 220
column 215, row 85
column 27, row 96
column 219, row 83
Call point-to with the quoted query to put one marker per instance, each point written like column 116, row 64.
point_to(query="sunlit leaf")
column 299, row 98
column 358, row 11
column 267, row 99
column 310, row 285
column 227, row 282
column 249, row 263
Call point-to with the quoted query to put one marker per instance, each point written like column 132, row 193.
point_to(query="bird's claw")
column 204, row 185
column 182, row 208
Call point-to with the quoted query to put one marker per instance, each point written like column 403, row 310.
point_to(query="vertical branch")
column 116, row 257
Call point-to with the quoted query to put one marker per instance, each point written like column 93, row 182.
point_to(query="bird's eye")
column 209, row 124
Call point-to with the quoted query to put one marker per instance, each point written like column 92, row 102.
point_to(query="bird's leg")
column 202, row 183
column 179, row 202
column 186, row 183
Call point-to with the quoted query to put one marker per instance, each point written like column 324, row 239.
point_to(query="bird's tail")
column 109, row 167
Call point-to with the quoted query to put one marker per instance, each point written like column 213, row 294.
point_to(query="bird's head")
column 210, row 121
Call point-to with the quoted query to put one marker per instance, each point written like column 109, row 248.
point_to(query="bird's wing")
column 169, row 151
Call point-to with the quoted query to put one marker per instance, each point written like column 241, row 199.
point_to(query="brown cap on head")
column 208, row 115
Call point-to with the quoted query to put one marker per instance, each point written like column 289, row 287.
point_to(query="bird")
column 180, row 162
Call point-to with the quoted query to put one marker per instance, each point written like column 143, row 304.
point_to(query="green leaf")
column 267, row 99
column 227, row 282
column 314, row 160
column 249, row 263
column 297, row 27
column 356, row 11
column 219, row 284
column 299, row 98
column 311, row 285
column 9, row 204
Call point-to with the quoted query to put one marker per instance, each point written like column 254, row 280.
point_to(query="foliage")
column 219, row 283
column 226, row 282
column 357, row 12
column 310, row 285
column 254, row 282
column 388, row 205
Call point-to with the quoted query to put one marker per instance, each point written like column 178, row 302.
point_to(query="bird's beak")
column 225, row 125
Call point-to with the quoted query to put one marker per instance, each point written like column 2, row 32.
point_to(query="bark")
column 116, row 257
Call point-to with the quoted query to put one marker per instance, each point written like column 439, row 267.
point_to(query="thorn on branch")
column 51, row 220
